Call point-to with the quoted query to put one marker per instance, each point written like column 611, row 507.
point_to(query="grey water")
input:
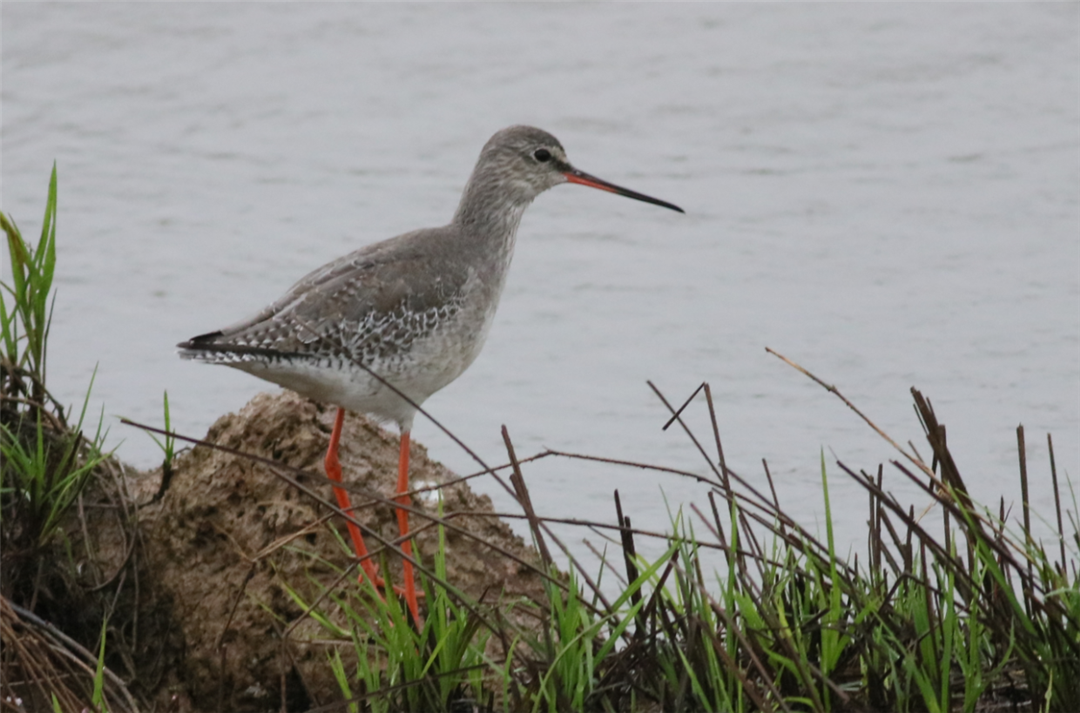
column 887, row 194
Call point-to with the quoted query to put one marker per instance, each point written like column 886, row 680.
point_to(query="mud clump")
column 230, row 539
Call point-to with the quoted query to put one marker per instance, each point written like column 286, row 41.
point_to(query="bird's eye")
column 542, row 155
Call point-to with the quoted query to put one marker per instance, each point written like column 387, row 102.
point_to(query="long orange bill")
column 580, row 177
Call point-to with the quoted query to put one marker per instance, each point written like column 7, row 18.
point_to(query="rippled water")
column 886, row 193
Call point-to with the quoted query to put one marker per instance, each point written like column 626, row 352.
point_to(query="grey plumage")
column 414, row 309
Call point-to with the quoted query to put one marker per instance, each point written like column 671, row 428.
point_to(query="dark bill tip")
column 584, row 179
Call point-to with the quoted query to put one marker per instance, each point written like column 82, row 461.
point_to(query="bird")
column 402, row 317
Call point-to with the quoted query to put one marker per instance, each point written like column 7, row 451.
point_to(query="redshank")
column 413, row 310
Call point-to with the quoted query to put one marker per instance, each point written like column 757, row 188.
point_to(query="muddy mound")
column 229, row 540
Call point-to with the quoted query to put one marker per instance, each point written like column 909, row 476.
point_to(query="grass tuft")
column 45, row 466
column 974, row 620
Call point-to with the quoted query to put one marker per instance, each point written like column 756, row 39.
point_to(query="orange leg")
column 333, row 471
column 403, row 527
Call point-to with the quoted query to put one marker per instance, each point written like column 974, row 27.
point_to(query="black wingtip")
column 200, row 341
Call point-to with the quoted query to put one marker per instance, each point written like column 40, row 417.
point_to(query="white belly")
column 431, row 363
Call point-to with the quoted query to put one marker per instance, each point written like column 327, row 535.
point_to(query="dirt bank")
column 229, row 538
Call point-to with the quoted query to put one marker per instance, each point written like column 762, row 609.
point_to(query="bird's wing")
column 372, row 301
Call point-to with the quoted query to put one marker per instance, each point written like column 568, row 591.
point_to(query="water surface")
column 887, row 194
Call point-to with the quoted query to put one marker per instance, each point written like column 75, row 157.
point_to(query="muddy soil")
column 229, row 538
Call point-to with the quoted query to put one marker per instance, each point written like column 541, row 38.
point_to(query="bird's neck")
column 490, row 213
